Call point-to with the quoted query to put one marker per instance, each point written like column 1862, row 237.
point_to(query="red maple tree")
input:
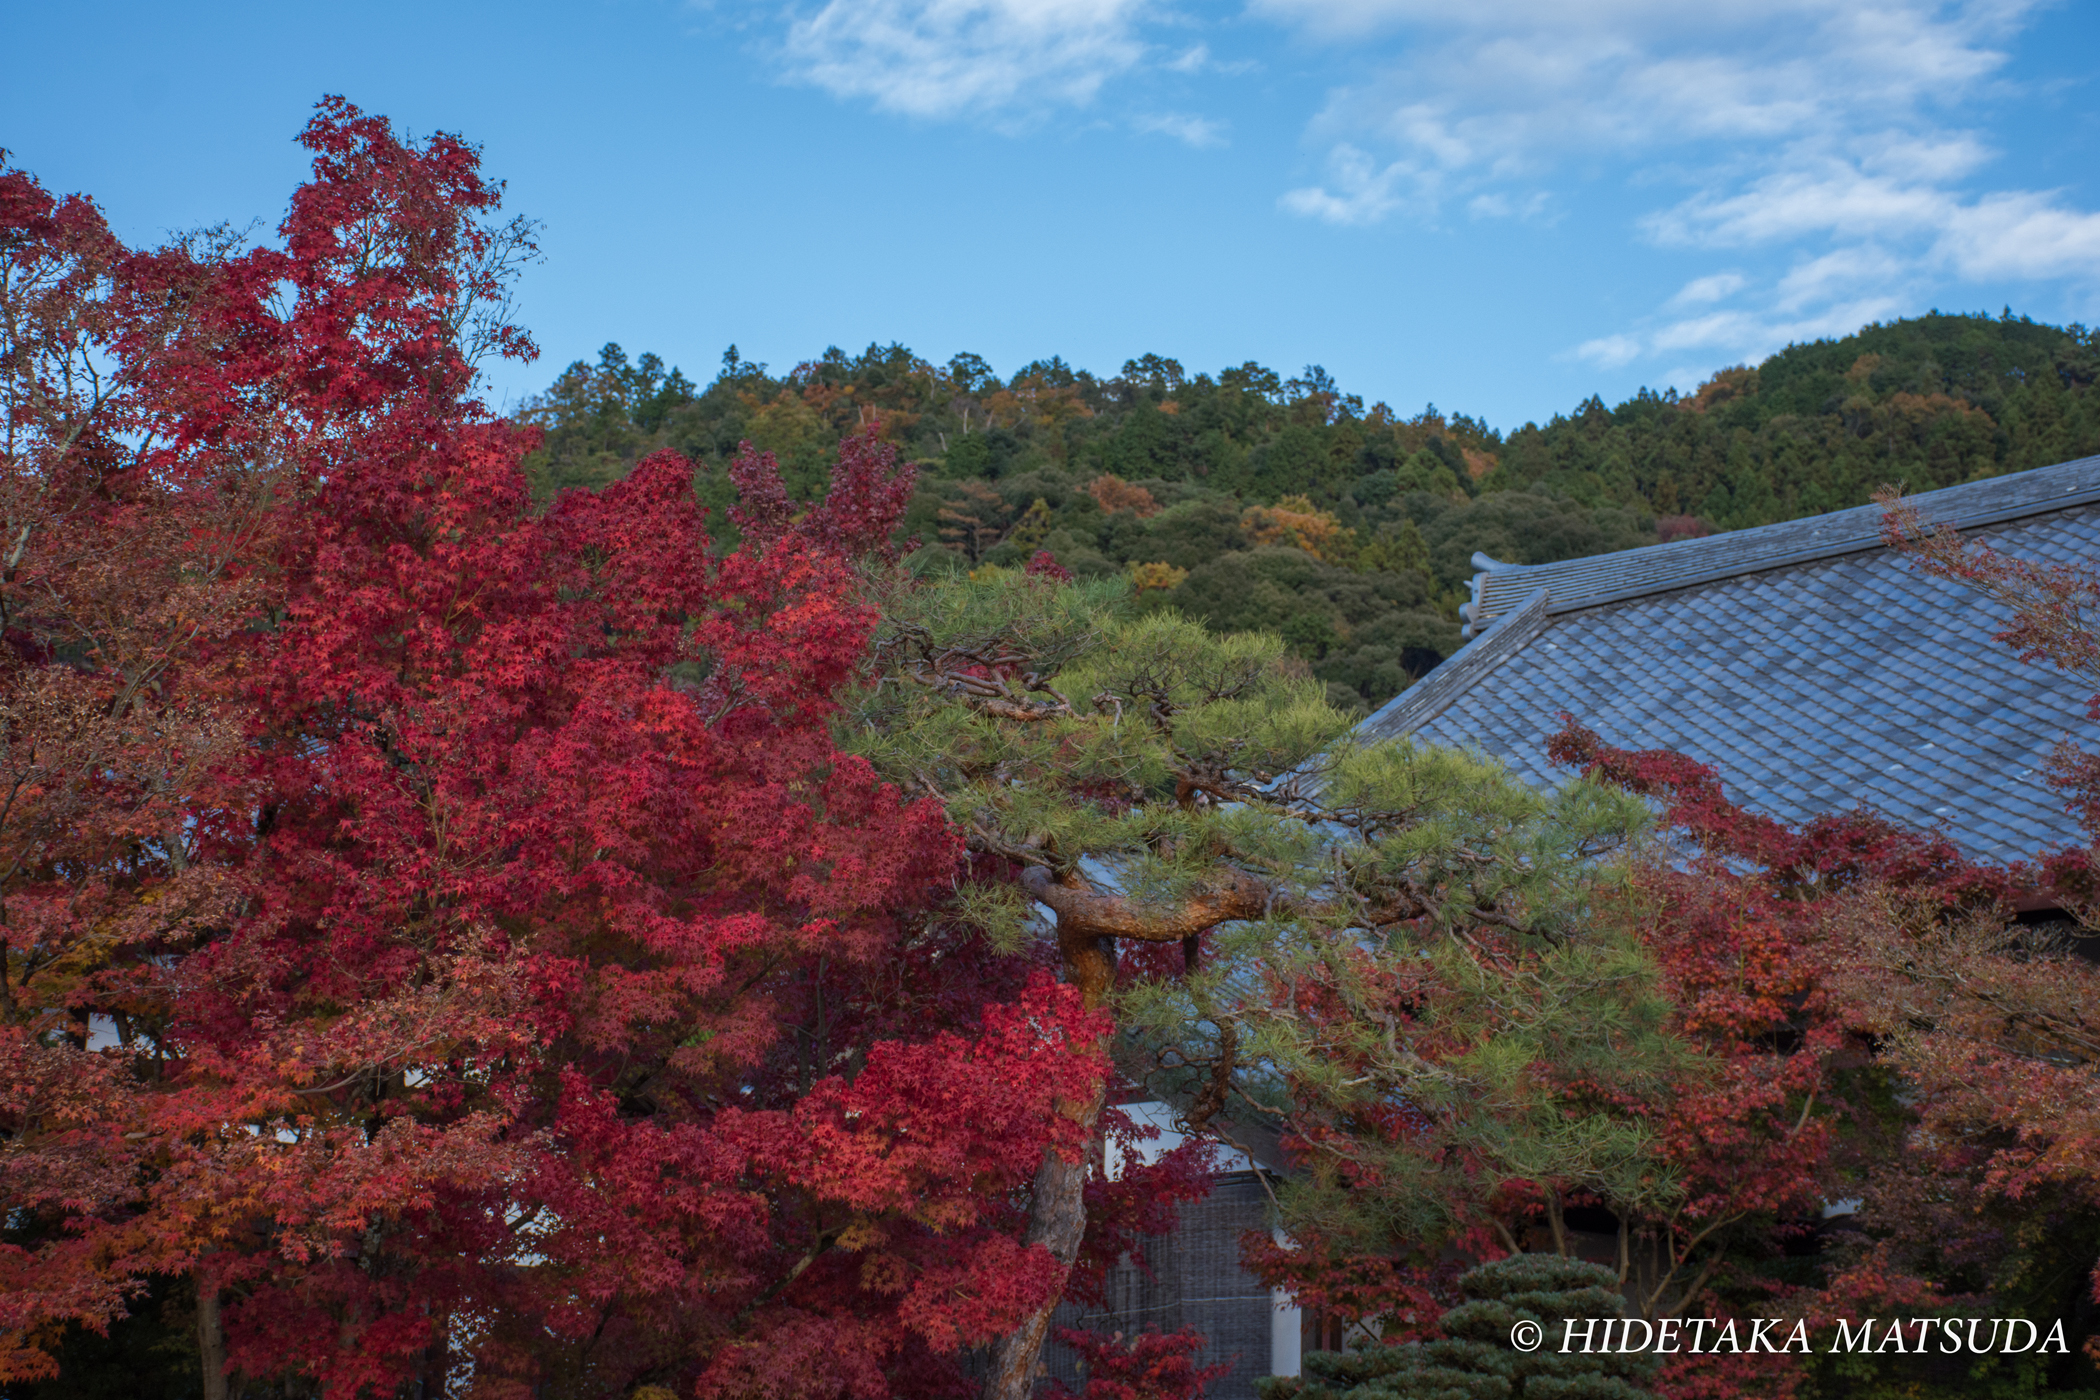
column 128, row 571
column 571, row 1009
column 1152, row 1365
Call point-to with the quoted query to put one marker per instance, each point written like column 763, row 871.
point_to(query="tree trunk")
column 1056, row 1221
column 211, row 1342
column 1088, row 923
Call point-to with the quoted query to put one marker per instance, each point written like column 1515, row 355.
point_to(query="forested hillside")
column 1254, row 501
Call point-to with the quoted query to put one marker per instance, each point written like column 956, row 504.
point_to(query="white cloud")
column 1716, row 329
column 1940, row 157
column 1497, row 205
column 1702, row 290
column 1837, row 276
column 1193, row 61
column 1200, row 59
column 948, row 58
column 1200, row 132
column 1363, row 192
column 2024, row 235
column 1611, row 351
column 1737, row 336
column 1527, row 79
column 1837, row 136
column 2019, row 234
column 1829, row 196
column 1501, row 91
column 1831, row 154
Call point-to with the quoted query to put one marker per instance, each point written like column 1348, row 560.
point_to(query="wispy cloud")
column 1868, row 245
column 1836, row 275
column 1841, row 137
column 2005, row 233
column 948, row 58
column 1505, row 89
column 1193, row 61
column 1832, row 156
column 1499, row 205
column 1610, row 351
column 1701, row 291
column 1200, row 132
column 1358, row 189
column 1730, row 336
column 2020, row 234
column 1829, row 195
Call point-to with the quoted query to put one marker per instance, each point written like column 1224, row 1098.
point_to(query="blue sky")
column 1499, row 206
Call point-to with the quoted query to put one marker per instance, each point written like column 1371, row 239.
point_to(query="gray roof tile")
column 1813, row 686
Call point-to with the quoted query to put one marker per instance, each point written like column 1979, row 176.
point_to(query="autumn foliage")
column 1885, row 1037
column 442, row 928
column 1870, row 1094
column 1152, row 1365
column 1296, row 521
column 1112, row 494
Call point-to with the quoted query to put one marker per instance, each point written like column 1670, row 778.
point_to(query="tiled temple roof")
column 1816, row 669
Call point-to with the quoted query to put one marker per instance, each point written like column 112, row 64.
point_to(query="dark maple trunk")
column 1056, row 1221
column 211, row 1343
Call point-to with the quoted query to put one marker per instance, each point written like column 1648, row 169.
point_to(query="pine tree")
column 1189, row 809
column 1475, row 1358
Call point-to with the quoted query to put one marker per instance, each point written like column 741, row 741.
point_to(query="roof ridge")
column 1430, row 696
column 1659, row 568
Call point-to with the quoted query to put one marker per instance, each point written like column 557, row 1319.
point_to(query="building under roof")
column 1815, row 668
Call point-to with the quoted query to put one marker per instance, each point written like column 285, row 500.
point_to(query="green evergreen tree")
column 1190, row 810
column 1475, row 1359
